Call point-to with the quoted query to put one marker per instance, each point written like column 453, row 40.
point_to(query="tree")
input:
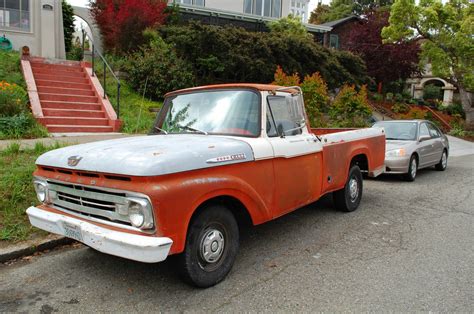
column 318, row 15
column 68, row 24
column 122, row 22
column 290, row 25
column 447, row 41
column 385, row 62
column 339, row 9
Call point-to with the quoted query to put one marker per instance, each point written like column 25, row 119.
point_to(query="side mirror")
column 424, row 138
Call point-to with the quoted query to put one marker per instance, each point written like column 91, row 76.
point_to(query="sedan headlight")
column 140, row 213
column 41, row 188
column 396, row 153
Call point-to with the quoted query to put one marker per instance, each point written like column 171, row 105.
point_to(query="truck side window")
column 288, row 115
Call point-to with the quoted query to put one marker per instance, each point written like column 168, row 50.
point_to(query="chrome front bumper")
column 135, row 247
column 397, row 164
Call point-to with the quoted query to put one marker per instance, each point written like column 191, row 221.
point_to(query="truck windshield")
column 229, row 112
column 405, row 131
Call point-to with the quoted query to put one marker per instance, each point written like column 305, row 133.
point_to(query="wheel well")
column 238, row 209
column 417, row 157
column 361, row 161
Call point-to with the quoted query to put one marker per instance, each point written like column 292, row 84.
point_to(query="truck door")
column 297, row 154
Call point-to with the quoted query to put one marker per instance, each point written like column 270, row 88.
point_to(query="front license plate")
column 72, row 231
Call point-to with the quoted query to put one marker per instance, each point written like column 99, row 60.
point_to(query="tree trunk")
column 468, row 106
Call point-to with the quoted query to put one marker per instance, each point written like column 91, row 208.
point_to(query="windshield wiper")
column 160, row 129
column 185, row 127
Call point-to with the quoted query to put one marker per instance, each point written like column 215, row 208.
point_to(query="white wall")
column 46, row 35
column 228, row 5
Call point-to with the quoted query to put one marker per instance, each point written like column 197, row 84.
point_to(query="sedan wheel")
column 412, row 169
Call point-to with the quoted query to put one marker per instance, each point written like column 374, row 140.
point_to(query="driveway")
column 409, row 247
column 459, row 147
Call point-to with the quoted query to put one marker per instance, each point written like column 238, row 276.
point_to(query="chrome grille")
column 89, row 201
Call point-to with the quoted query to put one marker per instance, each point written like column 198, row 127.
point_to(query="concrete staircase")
column 69, row 100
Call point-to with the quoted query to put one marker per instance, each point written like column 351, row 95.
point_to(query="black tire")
column 347, row 199
column 206, row 264
column 412, row 169
column 443, row 162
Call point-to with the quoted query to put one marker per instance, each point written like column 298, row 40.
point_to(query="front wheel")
column 211, row 247
column 348, row 198
column 412, row 169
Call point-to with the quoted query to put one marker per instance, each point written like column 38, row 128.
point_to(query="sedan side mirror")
column 424, row 138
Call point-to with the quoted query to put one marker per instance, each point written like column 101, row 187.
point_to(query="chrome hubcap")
column 212, row 246
column 444, row 160
column 413, row 168
column 353, row 189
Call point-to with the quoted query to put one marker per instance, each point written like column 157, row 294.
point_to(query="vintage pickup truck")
column 218, row 157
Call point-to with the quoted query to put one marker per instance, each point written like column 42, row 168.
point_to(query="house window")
column 270, row 8
column 15, row 15
column 199, row 3
column 334, row 41
column 299, row 8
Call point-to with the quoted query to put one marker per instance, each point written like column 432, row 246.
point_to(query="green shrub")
column 22, row 125
column 389, row 96
column 10, row 68
column 158, row 66
column 377, row 97
column 232, row 54
column 350, row 108
column 431, row 91
column 13, row 99
column 401, row 108
column 290, row 25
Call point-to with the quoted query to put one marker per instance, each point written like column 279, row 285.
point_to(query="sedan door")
column 426, row 147
column 437, row 142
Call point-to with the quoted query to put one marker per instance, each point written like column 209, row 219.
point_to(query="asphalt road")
column 409, row 247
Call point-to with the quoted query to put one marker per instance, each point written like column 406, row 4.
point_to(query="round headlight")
column 136, row 215
column 41, row 191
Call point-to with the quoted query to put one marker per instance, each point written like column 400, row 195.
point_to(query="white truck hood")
column 150, row 155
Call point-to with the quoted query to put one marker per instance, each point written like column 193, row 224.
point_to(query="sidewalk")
column 67, row 138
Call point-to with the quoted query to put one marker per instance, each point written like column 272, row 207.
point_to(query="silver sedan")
column 412, row 145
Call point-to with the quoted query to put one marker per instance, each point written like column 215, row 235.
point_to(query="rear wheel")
column 412, row 169
column 211, row 247
column 348, row 198
column 443, row 162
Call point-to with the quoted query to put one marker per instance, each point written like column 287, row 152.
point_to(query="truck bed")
column 366, row 146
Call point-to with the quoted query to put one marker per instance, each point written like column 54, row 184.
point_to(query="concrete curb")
column 15, row 251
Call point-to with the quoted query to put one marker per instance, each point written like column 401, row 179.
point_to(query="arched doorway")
column 85, row 17
column 436, row 88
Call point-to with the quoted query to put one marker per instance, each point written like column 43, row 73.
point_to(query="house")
column 264, row 8
column 339, row 31
column 36, row 24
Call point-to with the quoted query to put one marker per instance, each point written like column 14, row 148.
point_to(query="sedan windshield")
column 230, row 112
column 405, row 131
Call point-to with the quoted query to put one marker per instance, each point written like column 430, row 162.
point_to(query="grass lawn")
column 10, row 68
column 134, row 109
column 16, row 190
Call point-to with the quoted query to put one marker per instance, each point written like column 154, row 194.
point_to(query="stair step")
column 55, row 72
column 78, row 113
column 75, row 121
column 61, row 84
column 69, row 98
column 62, row 67
column 82, row 80
column 70, row 105
column 57, row 128
column 65, row 91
